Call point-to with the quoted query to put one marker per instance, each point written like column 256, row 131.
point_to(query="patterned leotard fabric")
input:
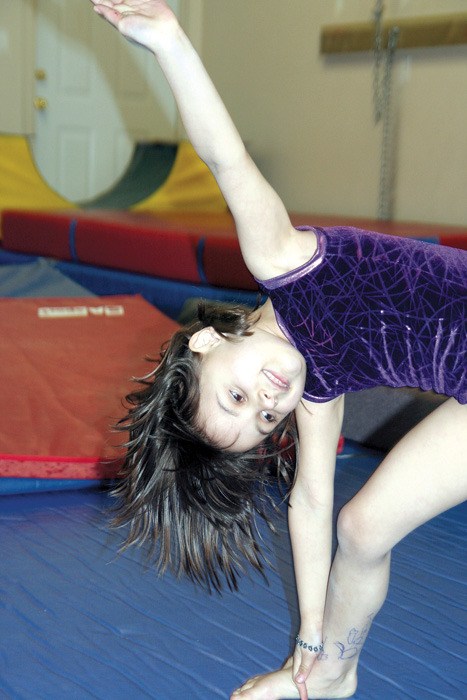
column 376, row 310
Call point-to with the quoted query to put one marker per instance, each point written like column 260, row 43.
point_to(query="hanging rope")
column 382, row 79
column 378, row 56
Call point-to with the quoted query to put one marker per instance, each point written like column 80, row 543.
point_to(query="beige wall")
column 308, row 119
column 16, row 66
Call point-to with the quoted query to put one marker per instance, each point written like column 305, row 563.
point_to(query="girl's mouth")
column 277, row 380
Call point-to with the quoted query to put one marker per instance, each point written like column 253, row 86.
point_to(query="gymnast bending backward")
column 346, row 310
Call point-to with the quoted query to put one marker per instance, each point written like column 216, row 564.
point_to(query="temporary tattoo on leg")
column 355, row 641
column 322, row 656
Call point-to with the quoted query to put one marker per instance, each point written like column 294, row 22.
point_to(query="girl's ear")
column 204, row 340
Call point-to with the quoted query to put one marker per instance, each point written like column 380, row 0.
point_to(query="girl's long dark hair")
column 191, row 503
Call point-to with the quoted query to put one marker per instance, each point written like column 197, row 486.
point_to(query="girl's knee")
column 358, row 533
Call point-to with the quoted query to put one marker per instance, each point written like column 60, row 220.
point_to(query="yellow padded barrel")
column 190, row 187
column 21, row 184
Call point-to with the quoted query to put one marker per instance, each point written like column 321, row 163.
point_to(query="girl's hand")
column 303, row 660
column 143, row 21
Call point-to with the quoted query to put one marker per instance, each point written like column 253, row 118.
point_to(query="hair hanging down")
column 192, row 504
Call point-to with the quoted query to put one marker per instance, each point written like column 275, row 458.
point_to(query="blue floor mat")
column 40, row 278
column 78, row 621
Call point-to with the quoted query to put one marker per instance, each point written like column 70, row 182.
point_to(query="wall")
column 16, row 66
column 308, row 119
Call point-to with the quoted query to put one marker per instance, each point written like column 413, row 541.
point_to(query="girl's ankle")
column 336, row 671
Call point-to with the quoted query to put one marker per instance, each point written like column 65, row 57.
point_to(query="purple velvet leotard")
column 375, row 310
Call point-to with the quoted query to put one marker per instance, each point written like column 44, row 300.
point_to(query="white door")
column 96, row 95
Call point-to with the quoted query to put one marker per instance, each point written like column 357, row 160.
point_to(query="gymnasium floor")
column 79, row 621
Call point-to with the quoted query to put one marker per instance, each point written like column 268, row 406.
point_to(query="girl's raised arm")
column 270, row 245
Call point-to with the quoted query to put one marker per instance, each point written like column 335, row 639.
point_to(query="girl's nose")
column 268, row 399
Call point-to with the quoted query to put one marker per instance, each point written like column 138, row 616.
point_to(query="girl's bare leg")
column 424, row 475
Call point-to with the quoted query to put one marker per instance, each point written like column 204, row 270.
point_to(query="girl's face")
column 247, row 386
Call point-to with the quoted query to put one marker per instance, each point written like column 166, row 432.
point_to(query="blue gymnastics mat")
column 78, row 621
column 166, row 294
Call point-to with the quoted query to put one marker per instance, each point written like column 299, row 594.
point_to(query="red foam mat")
column 65, row 366
column 134, row 242
column 189, row 247
column 37, row 233
column 223, row 264
column 177, row 246
column 139, row 243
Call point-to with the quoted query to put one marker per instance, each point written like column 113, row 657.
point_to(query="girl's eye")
column 268, row 417
column 238, row 398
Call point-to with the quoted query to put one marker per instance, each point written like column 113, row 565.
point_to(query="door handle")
column 40, row 103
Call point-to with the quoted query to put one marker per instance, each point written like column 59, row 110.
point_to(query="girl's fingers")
column 301, row 674
column 302, row 690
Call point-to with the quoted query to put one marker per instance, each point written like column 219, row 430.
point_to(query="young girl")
column 347, row 310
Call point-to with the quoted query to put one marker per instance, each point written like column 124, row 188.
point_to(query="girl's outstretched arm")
column 270, row 245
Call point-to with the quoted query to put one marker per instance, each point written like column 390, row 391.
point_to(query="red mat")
column 189, row 247
column 65, row 366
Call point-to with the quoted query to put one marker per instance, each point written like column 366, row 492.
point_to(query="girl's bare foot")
column 270, row 686
column 279, row 685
